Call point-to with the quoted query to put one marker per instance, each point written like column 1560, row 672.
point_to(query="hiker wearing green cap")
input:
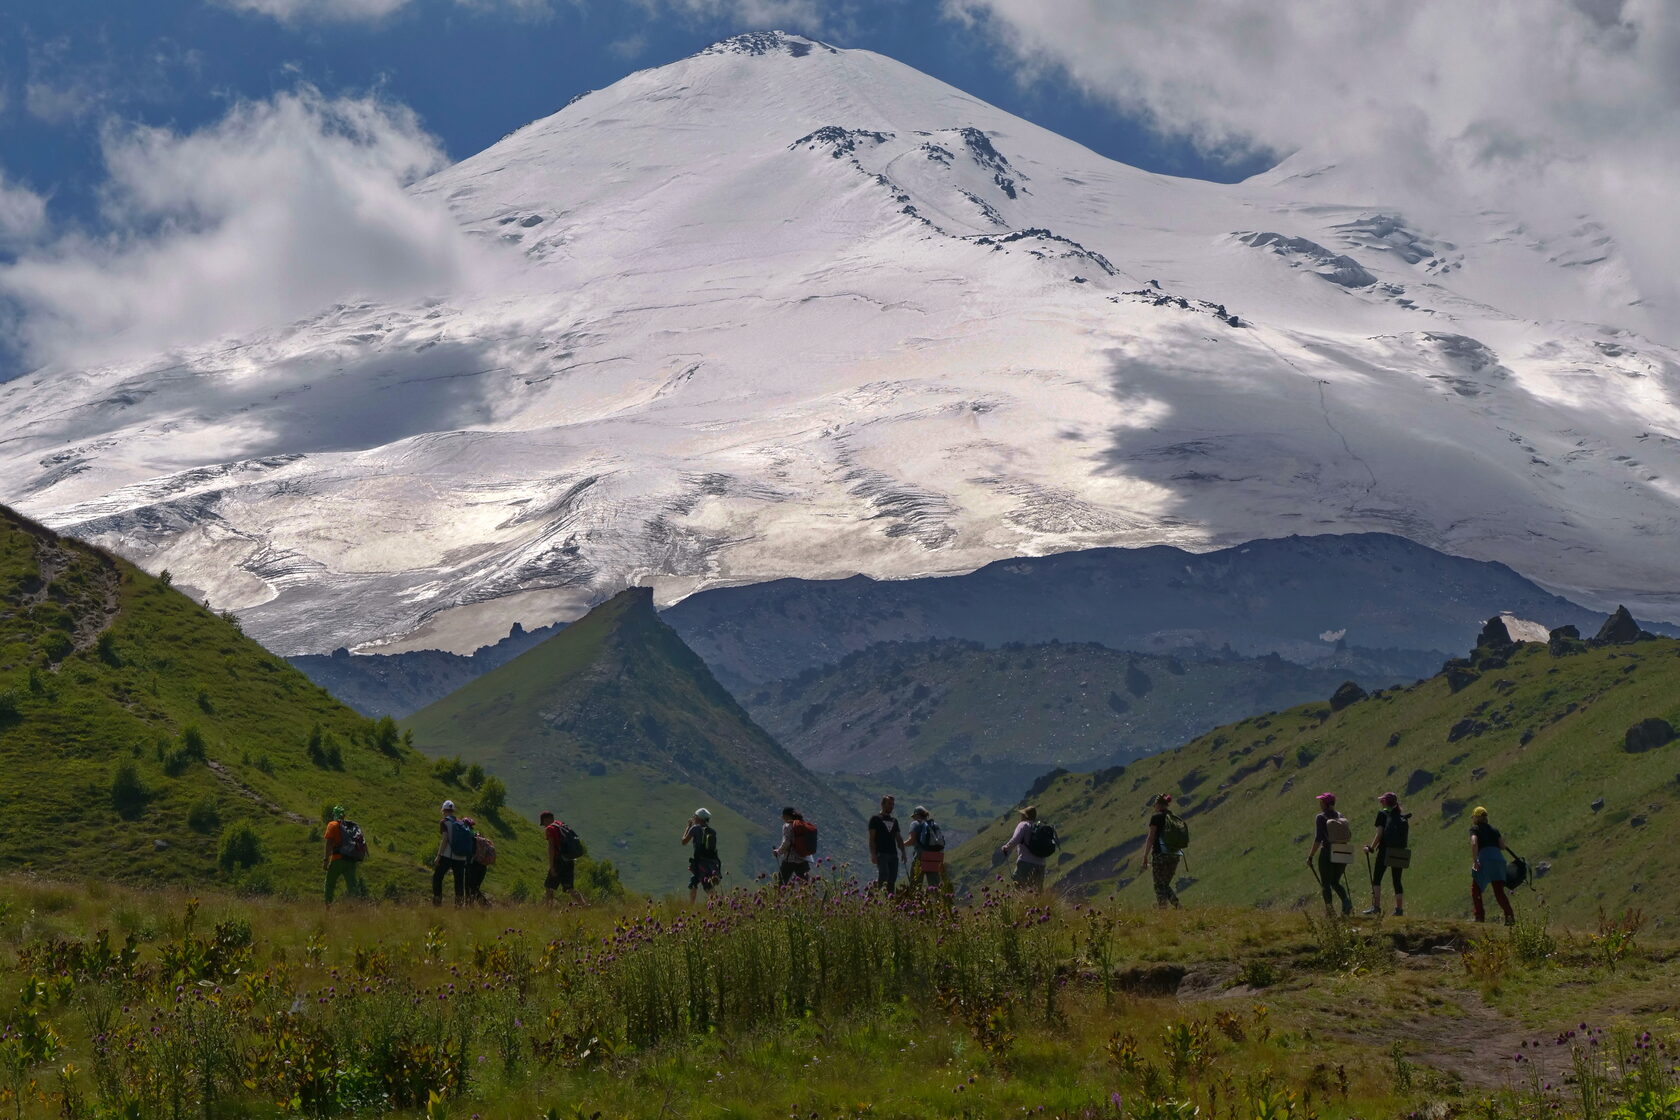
column 346, row 848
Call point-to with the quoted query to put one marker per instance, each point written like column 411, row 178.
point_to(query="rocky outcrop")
column 1348, row 693
column 1647, row 735
column 1619, row 630
column 1564, row 641
column 1418, row 781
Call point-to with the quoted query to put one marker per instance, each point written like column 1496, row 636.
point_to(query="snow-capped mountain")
column 781, row 309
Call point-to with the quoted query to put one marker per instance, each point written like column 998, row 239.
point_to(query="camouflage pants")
column 1166, row 870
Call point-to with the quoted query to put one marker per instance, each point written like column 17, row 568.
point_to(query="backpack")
column 571, row 844
column 463, row 844
column 932, row 838
column 804, row 837
column 486, row 850
column 1042, row 839
column 1174, row 834
column 1337, row 830
column 352, row 844
column 705, row 843
column 1397, row 829
column 1516, row 871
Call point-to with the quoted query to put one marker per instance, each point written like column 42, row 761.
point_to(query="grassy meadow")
column 818, row 1002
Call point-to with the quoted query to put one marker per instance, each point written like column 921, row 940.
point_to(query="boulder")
column 1418, row 781
column 1541, row 869
column 1461, row 677
column 1618, row 630
column 1451, row 808
column 1597, row 804
column 1466, row 728
column 1648, row 734
column 1348, row 693
column 1495, row 636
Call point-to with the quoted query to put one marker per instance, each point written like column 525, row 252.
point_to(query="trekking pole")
column 1369, row 869
column 1314, row 871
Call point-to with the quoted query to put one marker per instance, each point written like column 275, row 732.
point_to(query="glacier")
column 784, row 309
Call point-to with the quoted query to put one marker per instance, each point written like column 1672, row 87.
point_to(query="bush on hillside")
column 386, row 737
column 449, row 770
column 475, row 776
column 205, row 816
column 128, row 793
column 492, row 796
column 107, row 647
column 240, row 848
column 323, row 749
column 10, row 709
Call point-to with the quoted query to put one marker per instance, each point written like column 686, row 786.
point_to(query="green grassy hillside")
column 954, row 714
column 144, row 738
column 619, row 727
column 1537, row 737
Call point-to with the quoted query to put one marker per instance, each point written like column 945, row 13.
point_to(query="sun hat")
column 703, row 814
column 449, row 806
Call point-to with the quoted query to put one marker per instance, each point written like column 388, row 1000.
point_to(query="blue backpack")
column 463, row 844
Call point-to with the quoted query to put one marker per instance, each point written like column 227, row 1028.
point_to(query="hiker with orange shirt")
column 346, row 848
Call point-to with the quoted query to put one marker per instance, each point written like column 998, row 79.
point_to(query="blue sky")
column 70, row 68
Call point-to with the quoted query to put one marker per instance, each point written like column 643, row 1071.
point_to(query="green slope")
column 1535, row 736
column 955, row 714
column 102, row 666
column 619, row 727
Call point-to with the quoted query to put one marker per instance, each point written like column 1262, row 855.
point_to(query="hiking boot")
column 1399, row 913
column 1510, row 921
column 1368, row 912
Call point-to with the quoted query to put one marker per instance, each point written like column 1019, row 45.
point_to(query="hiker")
column 799, row 844
column 564, row 848
column 1393, row 855
column 345, row 850
column 484, row 854
column 1487, row 865
column 1165, row 855
column 927, row 844
column 1332, row 840
column 456, row 847
column 705, row 868
column 1034, row 842
column 885, row 840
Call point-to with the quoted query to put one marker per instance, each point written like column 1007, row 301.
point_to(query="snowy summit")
column 781, row 309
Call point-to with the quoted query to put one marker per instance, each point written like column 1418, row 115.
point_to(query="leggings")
column 1498, row 896
column 1381, row 866
column 1330, row 879
column 455, row 867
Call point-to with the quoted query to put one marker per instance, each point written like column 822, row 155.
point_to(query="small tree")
column 107, row 647
column 204, row 816
column 10, row 709
column 492, row 796
column 475, row 776
column 386, row 736
column 448, row 770
column 241, row 847
column 128, row 792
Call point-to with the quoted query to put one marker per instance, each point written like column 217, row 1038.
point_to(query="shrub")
column 492, row 796
column 128, row 793
column 475, row 776
column 323, row 749
column 448, row 770
column 205, row 816
column 57, row 646
column 9, row 707
column 386, row 737
column 107, row 647
column 166, row 577
column 240, row 847
column 204, row 703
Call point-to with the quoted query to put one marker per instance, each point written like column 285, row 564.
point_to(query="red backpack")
column 804, row 837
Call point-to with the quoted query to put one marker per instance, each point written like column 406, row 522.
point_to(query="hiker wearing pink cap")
column 1392, row 847
column 1332, row 850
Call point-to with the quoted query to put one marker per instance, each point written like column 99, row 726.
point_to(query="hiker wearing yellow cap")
column 1487, row 865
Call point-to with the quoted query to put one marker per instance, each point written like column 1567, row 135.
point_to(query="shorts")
column 560, row 874
column 1029, row 875
column 704, row 873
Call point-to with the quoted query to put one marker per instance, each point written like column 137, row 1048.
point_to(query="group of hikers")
column 465, row 854
column 1332, row 852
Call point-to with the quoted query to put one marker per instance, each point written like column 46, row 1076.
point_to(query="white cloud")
column 368, row 11
column 1554, row 108
column 23, row 213
column 814, row 17
column 276, row 211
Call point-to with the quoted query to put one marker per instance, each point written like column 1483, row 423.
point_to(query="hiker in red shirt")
column 561, row 866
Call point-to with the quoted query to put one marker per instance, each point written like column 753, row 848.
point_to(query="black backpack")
column 571, row 844
column 352, row 844
column 1397, row 829
column 932, row 838
column 705, row 843
column 1042, row 840
column 1516, row 871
